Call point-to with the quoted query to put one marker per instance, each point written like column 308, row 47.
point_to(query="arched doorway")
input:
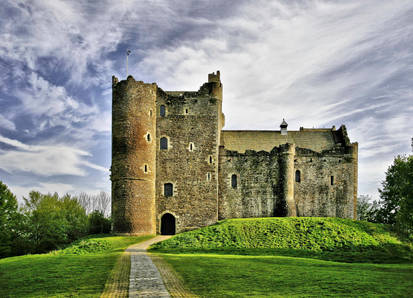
column 167, row 224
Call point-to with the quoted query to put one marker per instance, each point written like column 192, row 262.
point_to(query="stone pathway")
column 145, row 280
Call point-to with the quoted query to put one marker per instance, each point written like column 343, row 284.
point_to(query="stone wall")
column 267, row 183
column 133, row 168
column 191, row 118
column 258, row 189
column 316, row 194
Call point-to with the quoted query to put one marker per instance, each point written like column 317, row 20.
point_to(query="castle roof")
column 317, row 139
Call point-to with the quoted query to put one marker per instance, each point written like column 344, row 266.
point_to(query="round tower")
column 133, row 156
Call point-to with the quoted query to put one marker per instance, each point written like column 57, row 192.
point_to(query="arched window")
column 168, row 189
column 234, row 182
column 162, row 111
column 332, row 180
column 297, row 176
column 164, row 143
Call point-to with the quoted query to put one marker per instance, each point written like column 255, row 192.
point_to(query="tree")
column 397, row 195
column 100, row 202
column 54, row 221
column 98, row 224
column 367, row 208
column 8, row 215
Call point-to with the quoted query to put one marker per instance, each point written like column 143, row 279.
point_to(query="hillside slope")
column 327, row 238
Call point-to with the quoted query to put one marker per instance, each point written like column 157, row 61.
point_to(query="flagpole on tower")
column 127, row 55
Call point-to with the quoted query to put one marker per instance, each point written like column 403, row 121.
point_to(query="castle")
column 174, row 168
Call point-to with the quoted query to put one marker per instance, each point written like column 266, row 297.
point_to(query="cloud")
column 315, row 63
column 45, row 160
column 45, row 188
column 6, row 123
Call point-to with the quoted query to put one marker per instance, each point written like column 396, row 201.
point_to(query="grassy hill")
column 291, row 257
column 326, row 238
column 79, row 270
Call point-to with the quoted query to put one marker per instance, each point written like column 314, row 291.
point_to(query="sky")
column 316, row 63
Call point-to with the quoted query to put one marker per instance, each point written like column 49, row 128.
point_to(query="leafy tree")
column 54, row 221
column 98, row 224
column 8, row 216
column 397, row 195
column 367, row 208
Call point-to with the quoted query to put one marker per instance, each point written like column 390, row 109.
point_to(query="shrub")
column 98, row 224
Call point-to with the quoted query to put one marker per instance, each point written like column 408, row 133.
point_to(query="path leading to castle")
column 144, row 279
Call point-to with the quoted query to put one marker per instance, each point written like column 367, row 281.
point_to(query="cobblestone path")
column 144, row 279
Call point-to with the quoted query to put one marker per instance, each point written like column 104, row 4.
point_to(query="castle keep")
column 174, row 168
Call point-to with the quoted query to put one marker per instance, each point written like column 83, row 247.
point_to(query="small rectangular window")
column 163, row 143
column 168, row 190
column 234, row 182
column 162, row 111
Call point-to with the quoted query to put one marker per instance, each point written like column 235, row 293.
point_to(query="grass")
column 216, row 275
column 323, row 238
column 79, row 270
column 270, row 257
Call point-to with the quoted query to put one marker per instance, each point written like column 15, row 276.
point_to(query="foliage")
column 53, row 221
column 224, row 275
column 397, row 196
column 366, row 208
column 327, row 238
column 98, row 224
column 80, row 270
column 8, row 218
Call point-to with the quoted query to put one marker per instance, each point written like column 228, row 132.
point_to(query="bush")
column 98, row 224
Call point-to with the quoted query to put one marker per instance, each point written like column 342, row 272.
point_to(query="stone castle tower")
column 175, row 169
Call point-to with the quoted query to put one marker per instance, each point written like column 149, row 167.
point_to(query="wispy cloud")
column 44, row 160
column 315, row 63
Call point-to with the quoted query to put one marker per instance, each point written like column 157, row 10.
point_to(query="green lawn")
column 79, row 270
column 217, row 275
column 269, row 257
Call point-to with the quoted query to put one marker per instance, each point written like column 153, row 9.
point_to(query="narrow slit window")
column 191, row 146
column 186, row 111
column 234, row 182
column 148, row 137
column 210, row 159
column 164, row 143
column 162, row 111
column 150, row 113
column 208, row 176
column 297, row 176
column 145, row 168
column 168, row 190
column 332, row 180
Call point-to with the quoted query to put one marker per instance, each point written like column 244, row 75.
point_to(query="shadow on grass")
column 384, row 254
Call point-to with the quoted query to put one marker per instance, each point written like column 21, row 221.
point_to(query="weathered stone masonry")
column 175, row 169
